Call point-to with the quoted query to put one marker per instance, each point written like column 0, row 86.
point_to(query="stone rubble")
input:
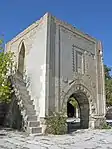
column 81, row 139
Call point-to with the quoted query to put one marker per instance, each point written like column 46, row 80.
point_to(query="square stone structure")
column 58, row 61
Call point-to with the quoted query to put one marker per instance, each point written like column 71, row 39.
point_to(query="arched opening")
column 21, row 61
column 78, row 110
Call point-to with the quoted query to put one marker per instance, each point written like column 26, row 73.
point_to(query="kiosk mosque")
column 56, row 62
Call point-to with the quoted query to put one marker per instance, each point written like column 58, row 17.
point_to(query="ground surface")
column 82, row 139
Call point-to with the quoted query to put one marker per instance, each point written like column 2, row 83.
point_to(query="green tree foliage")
column 6, row 63
column 73, row 102
column 108, row 85
column 56, row 124
column 107, row 72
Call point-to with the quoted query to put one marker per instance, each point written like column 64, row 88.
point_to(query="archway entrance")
column 78, row 101
column 21, row 61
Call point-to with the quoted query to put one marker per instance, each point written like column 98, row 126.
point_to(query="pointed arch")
column 21, row 58
column 85, row 102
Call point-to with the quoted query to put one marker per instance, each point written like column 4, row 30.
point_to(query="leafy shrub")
column 73, row 101
column 6, row 63
column 106, row 126
column 56, row 124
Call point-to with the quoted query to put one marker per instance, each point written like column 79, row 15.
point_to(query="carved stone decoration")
column 78, row 89
column 93, row 108
column 65, row 79
column 73, row 60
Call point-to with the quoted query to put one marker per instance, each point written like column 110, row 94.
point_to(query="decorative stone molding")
column 73, row 59
column 65, row 79
column 78, row 88
column 73, row 29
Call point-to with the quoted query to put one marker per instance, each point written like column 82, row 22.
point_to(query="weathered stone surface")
column 61, row 61
column 82, row 139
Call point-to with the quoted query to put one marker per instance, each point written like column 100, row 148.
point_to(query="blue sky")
column 91, row 16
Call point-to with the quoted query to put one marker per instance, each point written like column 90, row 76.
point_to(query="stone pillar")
column 50, row 88
column 99, row 118
column 103, row 83
column 102, row 80
column 77, row 112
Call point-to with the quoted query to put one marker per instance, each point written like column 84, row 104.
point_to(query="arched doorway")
column 83, row 106
column 21, row 61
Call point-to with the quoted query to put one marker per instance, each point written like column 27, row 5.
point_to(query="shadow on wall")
column 13, row 118
column 3, row 112
column 79, row 120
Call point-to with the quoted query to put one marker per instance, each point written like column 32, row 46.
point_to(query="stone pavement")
column 82, row 139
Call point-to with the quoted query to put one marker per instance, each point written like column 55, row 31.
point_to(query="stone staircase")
column 31, row 124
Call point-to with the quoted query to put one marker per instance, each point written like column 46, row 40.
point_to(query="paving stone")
column 88, row 139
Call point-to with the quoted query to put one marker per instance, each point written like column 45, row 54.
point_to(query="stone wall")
column 13, row 118
column 34, row 40
column 57, row 57
column 74, row 58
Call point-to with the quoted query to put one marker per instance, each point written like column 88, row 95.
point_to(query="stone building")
column 56, row 61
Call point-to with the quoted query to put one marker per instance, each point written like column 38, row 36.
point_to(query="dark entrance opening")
column 78, row 101
column 70, row 110
column 21, row 61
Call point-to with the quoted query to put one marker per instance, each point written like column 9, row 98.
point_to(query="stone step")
column 27, row 106
column 33, row 123
column 29, row 109
column 31, row 112
column 36, row 134
column 18, row 77
column 20, row 82
column 26, row 96
column 26, row 100
column 31, row 118
column 22, row 89
column 34, row 130
column 20, row 86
